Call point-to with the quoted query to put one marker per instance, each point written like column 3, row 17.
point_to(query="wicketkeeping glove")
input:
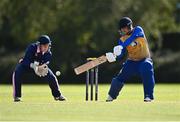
column 43, row 70
column 34, row 66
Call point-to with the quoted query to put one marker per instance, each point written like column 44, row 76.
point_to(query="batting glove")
column 117, row 50
column 110, row 57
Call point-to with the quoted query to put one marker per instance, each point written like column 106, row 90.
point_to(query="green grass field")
column 38, row 104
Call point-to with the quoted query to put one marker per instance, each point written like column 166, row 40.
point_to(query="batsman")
column 37, row 58
column 132, row 42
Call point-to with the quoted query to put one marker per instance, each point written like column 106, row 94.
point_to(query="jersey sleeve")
column 138, row 32
column 28, row 58
column 48, row 57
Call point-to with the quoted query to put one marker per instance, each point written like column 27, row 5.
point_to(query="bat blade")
column 91, row 64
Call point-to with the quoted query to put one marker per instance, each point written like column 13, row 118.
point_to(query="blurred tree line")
column 85, row 28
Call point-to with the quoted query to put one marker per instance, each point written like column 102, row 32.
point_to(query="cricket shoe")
column 147, row 99
column 109, row 99
column 60, row 98
column 17, row 99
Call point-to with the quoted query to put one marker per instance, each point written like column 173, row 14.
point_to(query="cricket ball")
column 58, row 73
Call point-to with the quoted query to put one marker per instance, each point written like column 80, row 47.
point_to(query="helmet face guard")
column 121, row 33
column 124, row 22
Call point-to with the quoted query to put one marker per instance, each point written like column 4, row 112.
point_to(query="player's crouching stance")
column 138, row 62
column 37, row 57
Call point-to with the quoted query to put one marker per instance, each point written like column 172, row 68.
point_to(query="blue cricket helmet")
column 44, row 39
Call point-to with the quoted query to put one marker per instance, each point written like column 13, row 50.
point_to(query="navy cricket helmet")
column 125, row 22
column 44, row 39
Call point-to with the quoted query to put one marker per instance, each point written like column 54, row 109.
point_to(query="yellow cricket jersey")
column 138, row 49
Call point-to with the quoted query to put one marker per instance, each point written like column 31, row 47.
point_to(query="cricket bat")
column 91, row 64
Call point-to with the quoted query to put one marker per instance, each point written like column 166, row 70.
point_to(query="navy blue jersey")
column 33, row 54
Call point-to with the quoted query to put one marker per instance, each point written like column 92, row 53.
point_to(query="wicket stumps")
column 92, row 77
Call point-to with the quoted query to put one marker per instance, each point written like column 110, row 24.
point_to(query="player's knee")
column 52, row 77
column 17, row 72
column 146, row 67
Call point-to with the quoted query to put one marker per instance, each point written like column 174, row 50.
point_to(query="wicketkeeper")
column 37, row 58
column 139, row 62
